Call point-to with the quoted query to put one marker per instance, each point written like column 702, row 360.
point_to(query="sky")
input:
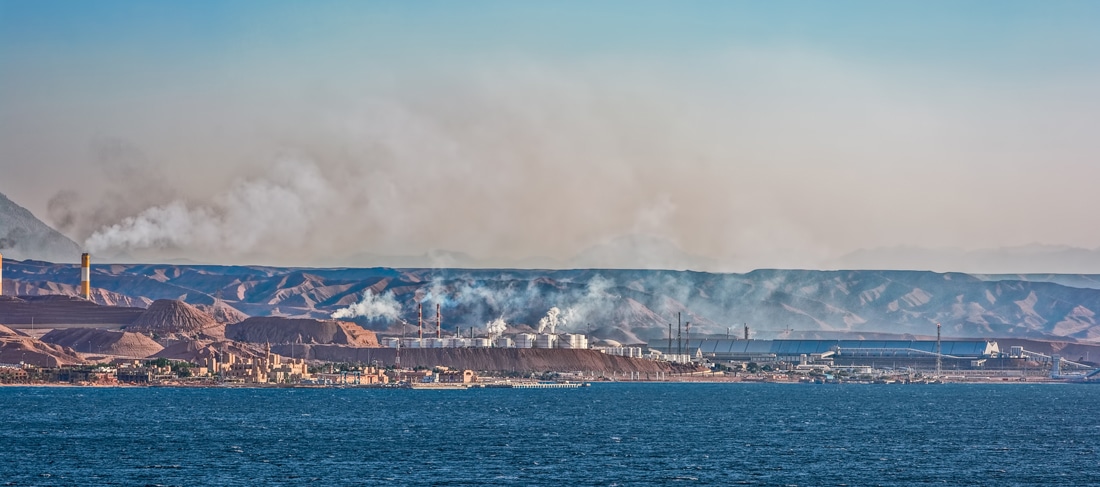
column 711, row 135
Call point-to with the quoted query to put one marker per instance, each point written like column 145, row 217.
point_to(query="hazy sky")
column 763, row 134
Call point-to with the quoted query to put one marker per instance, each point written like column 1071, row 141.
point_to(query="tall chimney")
column 1, row 274
column 670, row 338
column 86, row 275
column 746, row 331
column 420, row 320
column 679, row 341
column 438, row 322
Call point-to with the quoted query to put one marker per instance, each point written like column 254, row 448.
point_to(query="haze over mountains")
column 22, row 236
column 623, row 304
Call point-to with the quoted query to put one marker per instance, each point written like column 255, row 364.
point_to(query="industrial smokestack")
column 746, row 331
column 679, row 341
column 438, row 322
column 86, row 275
column 687, row 344
column 420, row 320
column 669, row 338
column 1, row 274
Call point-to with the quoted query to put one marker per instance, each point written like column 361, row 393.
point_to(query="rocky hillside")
column 104, row 342
column 624, row 305
column 22, row 236
column 16, row 347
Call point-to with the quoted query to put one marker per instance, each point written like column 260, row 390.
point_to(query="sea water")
column 607, row 434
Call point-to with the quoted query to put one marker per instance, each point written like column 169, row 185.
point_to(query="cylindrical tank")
column 504, row 342
column 480, row 343
column 525, row 340
column 390, row 342
column 546, row 340
column 412, row 343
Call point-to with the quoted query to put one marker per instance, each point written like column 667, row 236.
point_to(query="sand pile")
column 169, row 317
column 300, row 330
column 16, row 347
column 106, row 342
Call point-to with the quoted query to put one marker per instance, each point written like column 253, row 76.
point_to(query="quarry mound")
column 16, row 347
column 168, row 316
column 107, row 342
column 301, row 331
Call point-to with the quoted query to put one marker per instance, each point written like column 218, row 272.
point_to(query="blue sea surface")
column 608, row 434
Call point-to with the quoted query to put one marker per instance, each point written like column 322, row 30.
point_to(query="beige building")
column 270, row 368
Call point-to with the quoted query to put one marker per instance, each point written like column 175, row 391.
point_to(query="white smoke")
column 372, row 307
column 277, row 211
column 496, row 327
column 550, row 322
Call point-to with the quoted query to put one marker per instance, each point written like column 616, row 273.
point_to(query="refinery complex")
column 259, row 350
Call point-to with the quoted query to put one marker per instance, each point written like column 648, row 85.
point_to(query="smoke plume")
column 550, row 322
column 496, row 327
column 372, row 307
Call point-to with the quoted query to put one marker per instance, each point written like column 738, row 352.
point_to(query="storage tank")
column 412, row 343
column 504, row 342
column 480, row 343
column 433, row 343
column 390, row 342
column 525, row 340
column 546, row 340
column 573, row 341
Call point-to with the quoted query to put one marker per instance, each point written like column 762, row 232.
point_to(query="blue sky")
column 776, row 133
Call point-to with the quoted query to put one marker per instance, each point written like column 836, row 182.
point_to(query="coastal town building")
column 269, row 368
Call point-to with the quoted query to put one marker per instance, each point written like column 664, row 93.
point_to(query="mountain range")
column 624, row 305
column 627, row 305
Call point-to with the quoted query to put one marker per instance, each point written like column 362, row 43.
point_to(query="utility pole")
column 939, row 352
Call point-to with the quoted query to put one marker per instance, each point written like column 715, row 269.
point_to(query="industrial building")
column 918, row 353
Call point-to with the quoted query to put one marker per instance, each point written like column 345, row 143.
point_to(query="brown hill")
column 223, row 312
column 16, row 347
column 107, row 342
column 168, row 316
column 300, row 330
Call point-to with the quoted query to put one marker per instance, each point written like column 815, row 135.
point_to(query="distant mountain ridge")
column 23, row 236
column 624, row 305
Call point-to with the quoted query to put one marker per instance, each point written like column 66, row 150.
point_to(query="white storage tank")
column 546, row 340
column 504, row 342
column 412, row 343
column 462, row 342
column 525, row 340
column 433, row 343
column 480, row 343
column 573, row 341
column 391, row 342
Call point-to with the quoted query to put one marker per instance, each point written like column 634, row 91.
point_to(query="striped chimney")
column 86, row 276
column 438, row 322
